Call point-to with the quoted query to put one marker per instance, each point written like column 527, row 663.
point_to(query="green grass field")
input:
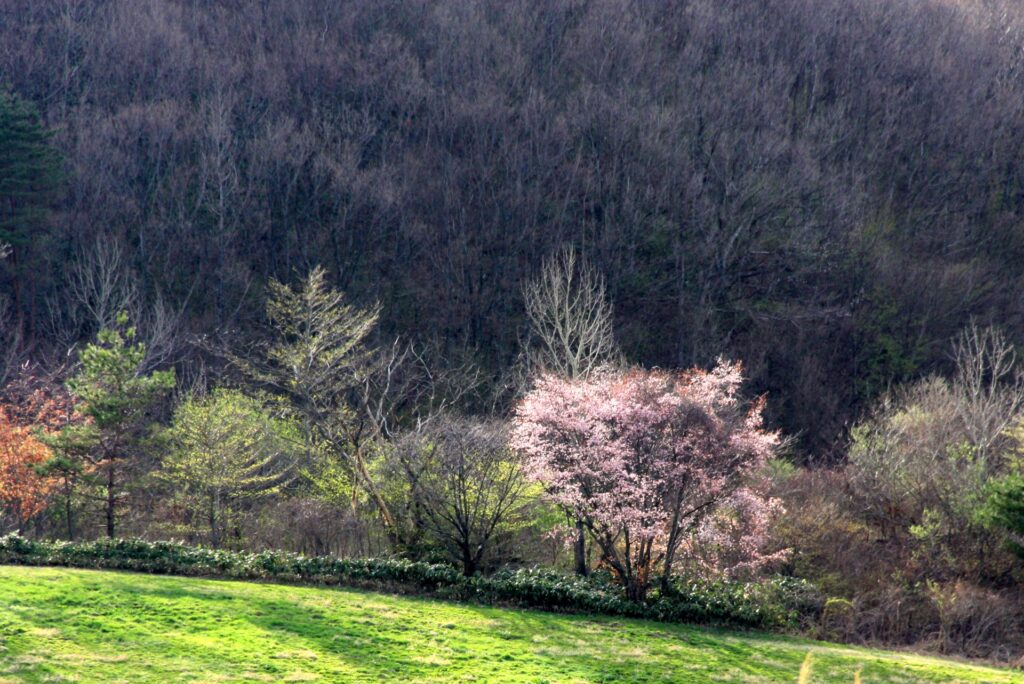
column 78, row 625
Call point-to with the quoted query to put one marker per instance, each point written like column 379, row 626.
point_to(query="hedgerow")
column 778, row 603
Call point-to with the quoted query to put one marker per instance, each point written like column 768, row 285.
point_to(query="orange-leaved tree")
column 31, row 407
column 24, row 491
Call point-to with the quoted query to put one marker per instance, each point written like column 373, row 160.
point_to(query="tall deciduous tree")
column 35, row 399
column 23, row 489
column 114, row 396
column 32, row 410
column 573, row 331
column 645, row 459
column 316, row 357
column 570, row 316
column 226, row 449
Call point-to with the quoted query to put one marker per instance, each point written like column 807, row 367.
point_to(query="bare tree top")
column 570, row 316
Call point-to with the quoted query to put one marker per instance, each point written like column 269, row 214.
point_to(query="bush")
column 955, row 618
column 776, row 602
column 837, row 619
column 976, row 622
column 779, row 603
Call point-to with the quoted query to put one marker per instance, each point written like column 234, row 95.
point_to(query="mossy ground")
column 78, row 625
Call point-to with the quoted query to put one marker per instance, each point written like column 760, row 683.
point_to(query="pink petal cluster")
column 649, row 460
column 731, row 541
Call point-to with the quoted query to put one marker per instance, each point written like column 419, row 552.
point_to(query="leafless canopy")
column 466, row 484
column 790, row 182
column 570, row 316
column 989, row 384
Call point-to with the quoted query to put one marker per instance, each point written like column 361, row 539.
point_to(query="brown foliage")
column 889, row 596
column 23, row 491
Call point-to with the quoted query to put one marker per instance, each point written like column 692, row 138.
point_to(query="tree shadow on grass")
column 355, row 635
column 369, row 645
column 607, row 649
column 295, row 635
column 439, row 641
column 172, row 627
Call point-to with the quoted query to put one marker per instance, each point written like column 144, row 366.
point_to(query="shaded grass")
column 81, row 625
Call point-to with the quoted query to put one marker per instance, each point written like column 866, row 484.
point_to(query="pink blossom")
column 655, row 463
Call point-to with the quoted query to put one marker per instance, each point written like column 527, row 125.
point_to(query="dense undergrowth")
column 778, row 603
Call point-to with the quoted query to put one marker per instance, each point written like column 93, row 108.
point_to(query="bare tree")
column 989, row 385
column 928, row 453
column 571, row 319
column 468, row 485
column 160, row 326
column 570, row 316
column 408, row 384
column 99, row 287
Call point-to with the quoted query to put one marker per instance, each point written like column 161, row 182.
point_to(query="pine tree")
column 29, row 178
column 114, row 396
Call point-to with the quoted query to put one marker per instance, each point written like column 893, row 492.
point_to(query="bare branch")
column 570, row 316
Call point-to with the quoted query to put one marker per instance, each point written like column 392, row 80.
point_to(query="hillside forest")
column 650, row 294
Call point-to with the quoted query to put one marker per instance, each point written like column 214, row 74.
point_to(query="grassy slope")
column 77, row 625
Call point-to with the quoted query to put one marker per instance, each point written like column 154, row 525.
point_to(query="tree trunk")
column 468, row 562
column 636, row 589
column 670, row 555
column 110, row 500
column 214, row 532
column 395, row 538
column 19, row 317
column 67, row 514
column 580, row 550
column 666, row 584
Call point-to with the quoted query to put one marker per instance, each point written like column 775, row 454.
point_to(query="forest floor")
column 86, row 626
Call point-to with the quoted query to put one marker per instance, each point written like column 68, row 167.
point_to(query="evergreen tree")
column 29, row 177
column 1006, row 509
column 114, row 396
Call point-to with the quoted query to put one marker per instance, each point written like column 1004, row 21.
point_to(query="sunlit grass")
column 74, row 625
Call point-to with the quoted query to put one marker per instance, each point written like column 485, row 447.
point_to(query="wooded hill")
column 828, row 190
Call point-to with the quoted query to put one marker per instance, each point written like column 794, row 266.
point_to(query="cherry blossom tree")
column 655, row 463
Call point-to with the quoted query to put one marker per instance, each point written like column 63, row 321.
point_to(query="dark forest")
column 828, row 191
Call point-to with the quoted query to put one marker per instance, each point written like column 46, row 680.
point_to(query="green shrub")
column 776, row 603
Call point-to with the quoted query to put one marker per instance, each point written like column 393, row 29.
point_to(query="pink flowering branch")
column 654, row 463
